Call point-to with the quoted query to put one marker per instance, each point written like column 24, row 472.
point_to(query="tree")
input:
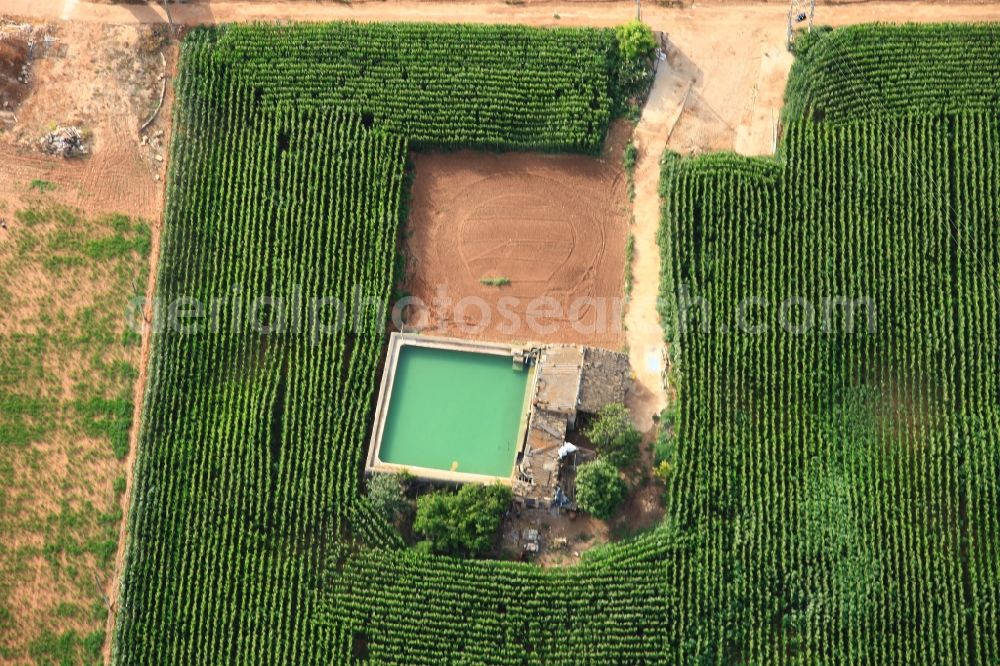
column 635, row 40
column 599, row 489
column 386, row 494
column 612, row 433
column 463, row 523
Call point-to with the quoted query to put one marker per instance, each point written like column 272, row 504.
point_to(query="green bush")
column 464, row 523
column 635, row 40
column 617, row 441
column 599, row 489
column 386, row 492
column 633, row 68
column 630, row 156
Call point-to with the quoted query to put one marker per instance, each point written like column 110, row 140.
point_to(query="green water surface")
column 451, row 407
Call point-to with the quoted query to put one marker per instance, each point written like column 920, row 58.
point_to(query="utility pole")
column 796, row 9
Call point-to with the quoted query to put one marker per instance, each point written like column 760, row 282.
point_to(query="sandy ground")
column 99, row 79
column 553, row 225
column 647, row 352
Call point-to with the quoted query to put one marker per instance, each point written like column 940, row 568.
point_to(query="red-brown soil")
column 553, row 225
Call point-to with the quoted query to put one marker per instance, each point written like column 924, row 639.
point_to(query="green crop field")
column 834, row 493
column 844, row 474
column 288, row 183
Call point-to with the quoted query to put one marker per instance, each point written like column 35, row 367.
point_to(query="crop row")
column 838, row 338
column 874, row 71
column 256, row 409
column 494, row 87
column 278, row 254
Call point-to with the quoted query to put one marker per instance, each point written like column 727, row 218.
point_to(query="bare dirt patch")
column 106, row 80
column 519, row 247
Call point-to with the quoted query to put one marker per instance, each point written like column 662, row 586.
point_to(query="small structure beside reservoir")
column 570, row 380
column 459, row 411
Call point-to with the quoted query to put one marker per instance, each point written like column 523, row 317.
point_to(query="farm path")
column 646, row 349
column 711, row 15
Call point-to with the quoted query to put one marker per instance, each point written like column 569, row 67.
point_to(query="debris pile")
column 65, row 142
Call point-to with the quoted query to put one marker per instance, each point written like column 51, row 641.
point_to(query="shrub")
column 612, row 433
column 386, row 494
column 630, row 156
column 635, row 40
column 599, row 489
column 495, row 281
column 464, row 523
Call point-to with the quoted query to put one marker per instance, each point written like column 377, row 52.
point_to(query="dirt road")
column 734, row 53
column 647, row 352
column 710, row 15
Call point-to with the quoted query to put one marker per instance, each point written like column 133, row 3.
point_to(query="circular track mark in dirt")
column 553, row 225
column 527, row 230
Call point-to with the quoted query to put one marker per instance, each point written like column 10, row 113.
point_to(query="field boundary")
column 113, row 588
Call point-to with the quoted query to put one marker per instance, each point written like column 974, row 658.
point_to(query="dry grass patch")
column 67, row 369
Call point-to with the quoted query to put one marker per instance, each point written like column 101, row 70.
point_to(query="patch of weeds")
column 31, row 217
column 67, row 609
column 102, row 549
column 64, row 648
column 6, row 618
column 98, row 611
column 42, row 185
column 58, row 263
column 111, row 518
column 120, row 223
column 123, row 370
column 25, row 419
column 65, row 216
column 113, row 247
column 630, row 156
column 64, row 241
column 93, row 643
column 629, row 256
column 130, row 338
column 119, row 485
column 100, row 417
column 495, row 281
